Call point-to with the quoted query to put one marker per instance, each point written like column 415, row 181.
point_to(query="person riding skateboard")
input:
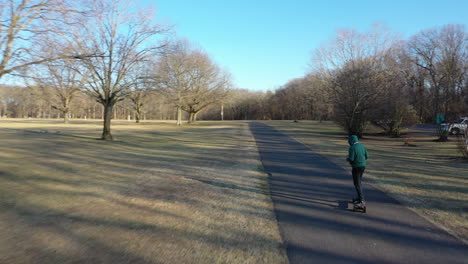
column 357, row 157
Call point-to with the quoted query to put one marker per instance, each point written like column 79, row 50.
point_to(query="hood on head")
column 352, row 139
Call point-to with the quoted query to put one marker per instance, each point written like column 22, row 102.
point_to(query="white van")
column 457, row 127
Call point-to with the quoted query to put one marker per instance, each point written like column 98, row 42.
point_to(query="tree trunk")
column 195, row 116
column 191, row 117
column 106, row 132
column 65, row 117
column 179, row 116
column 137, row 116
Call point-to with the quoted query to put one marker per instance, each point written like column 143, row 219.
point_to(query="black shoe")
column 355, row 200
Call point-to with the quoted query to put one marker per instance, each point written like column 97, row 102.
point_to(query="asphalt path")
column 311, row 199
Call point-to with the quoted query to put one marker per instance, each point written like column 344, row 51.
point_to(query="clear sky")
column 265, row 43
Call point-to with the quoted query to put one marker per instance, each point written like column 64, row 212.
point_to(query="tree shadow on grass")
column 129, row 161
column 95, row 248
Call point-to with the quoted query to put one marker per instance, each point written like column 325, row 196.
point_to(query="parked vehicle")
column 457, row 127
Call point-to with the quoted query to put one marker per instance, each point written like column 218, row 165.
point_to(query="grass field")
column 158, row 194
column 427, row 176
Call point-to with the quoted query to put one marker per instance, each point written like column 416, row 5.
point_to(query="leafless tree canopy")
column 60, row 82
column 121, row 40
column 191, row 80
column 28, row 25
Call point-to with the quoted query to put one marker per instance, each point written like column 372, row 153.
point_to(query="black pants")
column 357, row 177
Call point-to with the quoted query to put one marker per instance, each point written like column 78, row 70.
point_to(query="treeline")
column 299, row 99
column 31, row 102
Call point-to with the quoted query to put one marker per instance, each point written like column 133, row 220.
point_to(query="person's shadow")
column 343, row 205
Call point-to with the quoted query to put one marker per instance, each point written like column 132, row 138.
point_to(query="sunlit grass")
column 158, row 194
column 429, row 177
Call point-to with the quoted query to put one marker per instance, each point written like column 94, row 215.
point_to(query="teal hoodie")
column 357, row 153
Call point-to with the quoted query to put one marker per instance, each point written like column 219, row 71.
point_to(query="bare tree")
column 396, row 80
column 141, row 89
column 318, row 98
column 61, row 81
column 414, row 80
column 139, row 99
column 124, row 39
column 353, row 65
column 454, row 39
column 27, row 26
column 191, row 80
column 442, row 53
column 290, row 100
column 208, row 84
column 173, row 76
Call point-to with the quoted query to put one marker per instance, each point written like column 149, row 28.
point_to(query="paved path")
column 310, row 195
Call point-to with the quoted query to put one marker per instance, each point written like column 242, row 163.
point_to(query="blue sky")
column 266, row 43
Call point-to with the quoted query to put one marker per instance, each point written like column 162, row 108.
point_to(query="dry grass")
column 427, row 176
column 159, row 194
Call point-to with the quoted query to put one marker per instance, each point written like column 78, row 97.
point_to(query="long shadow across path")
column 311, row 198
